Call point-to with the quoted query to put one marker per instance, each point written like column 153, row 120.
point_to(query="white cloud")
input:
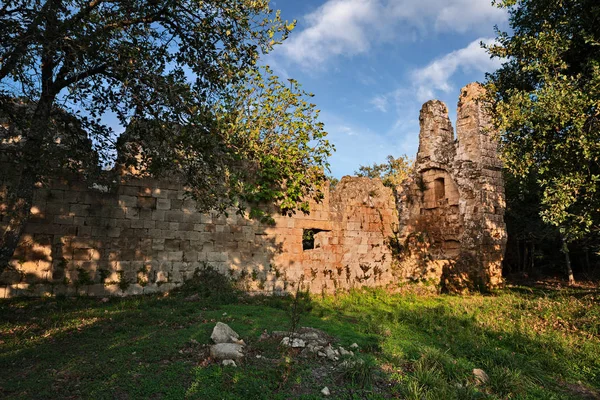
column 380, row 102
column 337, row 27
column 351, row 27
column 436, row 76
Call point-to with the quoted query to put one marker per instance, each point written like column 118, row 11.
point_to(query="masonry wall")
column 144, row 236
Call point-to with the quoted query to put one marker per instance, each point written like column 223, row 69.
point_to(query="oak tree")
column 179, row 75
column 545, row 101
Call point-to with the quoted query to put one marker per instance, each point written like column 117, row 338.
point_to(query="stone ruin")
column 443, row 229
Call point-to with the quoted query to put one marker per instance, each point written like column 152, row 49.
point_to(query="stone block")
column 128, row 201
column 113, row 232
column 158, row 215
column 136, row 223
column 174, row 255
column 146, row 202
column 163, row 204
column 132, row 213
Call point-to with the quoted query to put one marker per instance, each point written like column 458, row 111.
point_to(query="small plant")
column 275, row 271
column 301, row 305
column 359, row 372
column 83, row 277
column 103, row 274
column 122, row 282
column 142, row 275
column 212, row 286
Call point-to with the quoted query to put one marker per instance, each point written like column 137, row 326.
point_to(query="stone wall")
column 144, row 236
column 445, row 226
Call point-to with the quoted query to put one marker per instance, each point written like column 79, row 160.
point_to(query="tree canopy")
column 545, row 101
column 546, row 105
column 182, row 78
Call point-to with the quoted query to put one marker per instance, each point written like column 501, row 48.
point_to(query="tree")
column 545, row 102
column 392, row 173
column 175, row 73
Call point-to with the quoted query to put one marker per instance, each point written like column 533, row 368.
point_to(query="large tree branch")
column 66, row 81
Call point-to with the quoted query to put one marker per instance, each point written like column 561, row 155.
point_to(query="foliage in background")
column 392, row 173
column 545, row 101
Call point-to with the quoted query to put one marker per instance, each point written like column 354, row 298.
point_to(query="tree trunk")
column 565, row 249
column 21, row 196
column 532, row 265
column 18, row 215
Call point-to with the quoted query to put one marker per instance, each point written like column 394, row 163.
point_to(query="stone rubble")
column 228, row 346
column 480, row 376
column 222, row 333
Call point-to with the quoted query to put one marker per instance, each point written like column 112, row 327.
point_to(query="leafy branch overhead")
column 180, row 75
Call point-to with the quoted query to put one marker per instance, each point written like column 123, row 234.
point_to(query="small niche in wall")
column 439, row 189
column 308, row 239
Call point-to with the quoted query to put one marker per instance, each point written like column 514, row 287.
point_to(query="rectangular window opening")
column 439, row 189
column 308, row 238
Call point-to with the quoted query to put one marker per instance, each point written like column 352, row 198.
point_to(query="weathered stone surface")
column 295, row 342
column 226, row 351
column 229, row 363
column 222, row 333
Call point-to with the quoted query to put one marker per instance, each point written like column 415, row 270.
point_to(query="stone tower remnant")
column 452, row 212
column 444, row 226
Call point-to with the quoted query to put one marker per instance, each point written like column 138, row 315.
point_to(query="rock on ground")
column 227, row 351
column 295, row 343
column 480, row 376
column 222, row 333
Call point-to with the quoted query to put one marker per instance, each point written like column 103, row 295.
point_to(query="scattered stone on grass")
column 325, row 391
column 354, row 346
column 229, row 363
column 226, row 351
column 228, row 343
column 331, row 353
column 480, row 376
column 344, row 352
column 222, row 333
column 295, row 342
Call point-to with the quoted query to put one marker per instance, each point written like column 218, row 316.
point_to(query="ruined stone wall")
column 444, row 226
column 144, row 236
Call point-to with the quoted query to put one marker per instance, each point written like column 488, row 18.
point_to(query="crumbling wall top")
column 436, row 137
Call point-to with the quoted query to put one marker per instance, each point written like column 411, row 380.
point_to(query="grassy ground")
column 532, row 343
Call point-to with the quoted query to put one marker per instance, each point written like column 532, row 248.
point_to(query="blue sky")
column 372, row 63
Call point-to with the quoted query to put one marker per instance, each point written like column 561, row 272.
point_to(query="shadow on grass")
column 153, row 347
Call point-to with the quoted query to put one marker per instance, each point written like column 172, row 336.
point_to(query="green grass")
column 532, row 344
